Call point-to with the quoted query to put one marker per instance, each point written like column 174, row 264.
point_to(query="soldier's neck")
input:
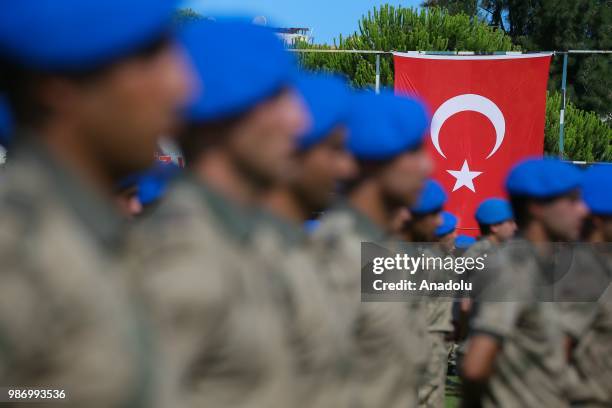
column 68, row 147
column 537, row 235
column 596, row 237
column 407, row 236
column 284, row 204
column 493, row 239
column 216, row 170
column 368, row 199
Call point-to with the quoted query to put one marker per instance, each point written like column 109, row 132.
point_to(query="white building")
column 292, row 35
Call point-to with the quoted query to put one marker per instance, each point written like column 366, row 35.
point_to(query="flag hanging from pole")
column 488, row 114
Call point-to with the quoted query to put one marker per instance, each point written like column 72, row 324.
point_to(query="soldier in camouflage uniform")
column 217, row 311
column 585, row 299
column 515, row 354
column 386, row 136
column 496, row 223
column 447, row 232
column 427, row 218
column 68, row 318
column 319, row 337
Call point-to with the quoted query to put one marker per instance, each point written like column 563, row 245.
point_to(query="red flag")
column 488, row 114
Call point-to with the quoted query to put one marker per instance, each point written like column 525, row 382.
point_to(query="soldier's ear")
column 58, row 95
column 598, row 222
column 535, row 210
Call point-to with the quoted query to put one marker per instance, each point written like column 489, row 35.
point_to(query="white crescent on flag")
column 468, row 102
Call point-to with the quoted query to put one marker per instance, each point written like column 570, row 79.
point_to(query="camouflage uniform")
column 319, row 339
column 221, row 335
column 439, row 327
column 530, row 366
column 390, row 347
column 483, row 248
column 67, row 317
column 588, row 321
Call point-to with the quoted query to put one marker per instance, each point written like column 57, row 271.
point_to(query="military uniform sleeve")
column 187, row 297
column 575, row 317
column 19, row 310
column 55, row 333
column 22, row 315
column 501, row 304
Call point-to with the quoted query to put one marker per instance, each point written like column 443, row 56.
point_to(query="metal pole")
column 562, row 113
column 335, row 51
column 590, row 52
column 377, row 73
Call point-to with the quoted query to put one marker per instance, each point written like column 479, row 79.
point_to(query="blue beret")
column 543, row 178
column 464, row 241
column 384, row 126
column 328, row 101
column 153, row 184
column 494, row 211
column 76, row 35
column 312, row 225
column 432, row 198
column 596, row 189
column 449, row 223
column 239, row 65
column 6, row 123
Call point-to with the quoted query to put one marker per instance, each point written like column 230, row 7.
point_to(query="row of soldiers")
column 217, row 297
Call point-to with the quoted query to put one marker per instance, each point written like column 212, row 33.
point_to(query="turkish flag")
column 488, row 114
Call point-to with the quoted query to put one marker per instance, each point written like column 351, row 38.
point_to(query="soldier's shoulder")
column 181, row 227
column 516, row 264
column 181, row 211
column 335, row 226
column 481, row 247
column 431, row 251
column 517, row 252
column 21, row 211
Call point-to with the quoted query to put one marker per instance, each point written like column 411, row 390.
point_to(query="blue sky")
column 327, row 18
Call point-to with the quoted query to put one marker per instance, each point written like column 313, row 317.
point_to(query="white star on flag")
column 464, row 177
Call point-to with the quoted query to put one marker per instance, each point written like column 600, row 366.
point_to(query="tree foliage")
column 559, row 25
column 391, row 28
column 586, row 137
column 469, row 7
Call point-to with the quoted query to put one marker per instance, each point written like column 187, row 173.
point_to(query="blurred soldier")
column 153, row 185
column 319, row 336
column 139, row 194
column 447, row 232
column 587, row 321
column 426, row 214
column 515, row 351
column 386, row 137
column 598, row 199
column 463, row 243
column 496, row 222
column 222, row 331
column 91, row 85
column 427, row 218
